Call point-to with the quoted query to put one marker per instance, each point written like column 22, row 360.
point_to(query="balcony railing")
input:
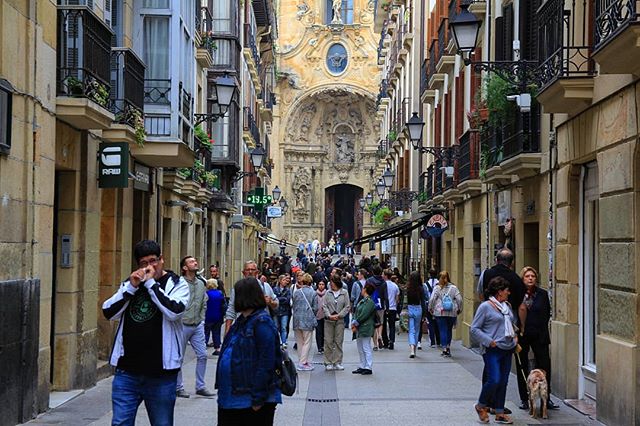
column 383, row 148
column 429, row 183
column 157, row 91
column 249, row 124
column 443, row 37
column 84, row 55
column 384, row 85
column 226, row 56
column 432, row 60
column 401, row 117
column 205, row 27
column 250, row 42
column 611, row 17
column 127, row 80
column 424, row 81
column 186, row 102
column 563, row 52
column 469, row 156
column 438, row 181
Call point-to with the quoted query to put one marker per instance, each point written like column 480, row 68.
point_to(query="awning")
column 394, row 231
column 270, row 238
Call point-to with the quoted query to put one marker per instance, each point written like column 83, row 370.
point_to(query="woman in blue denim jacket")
column 245, row 378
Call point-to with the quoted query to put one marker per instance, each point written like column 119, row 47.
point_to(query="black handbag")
column 287, row 375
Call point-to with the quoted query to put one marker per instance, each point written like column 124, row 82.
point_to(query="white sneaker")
column 328, row 367
column 338, row 367
column 419, row 346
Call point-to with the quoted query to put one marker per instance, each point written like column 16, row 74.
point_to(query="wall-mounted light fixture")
column 176, row 203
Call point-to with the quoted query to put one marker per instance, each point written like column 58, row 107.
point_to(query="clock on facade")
column 337, row 59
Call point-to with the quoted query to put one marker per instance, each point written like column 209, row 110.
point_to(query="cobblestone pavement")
column 427, row 390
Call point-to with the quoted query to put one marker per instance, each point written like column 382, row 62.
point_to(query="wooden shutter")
column 507, row 12
column 499, row 45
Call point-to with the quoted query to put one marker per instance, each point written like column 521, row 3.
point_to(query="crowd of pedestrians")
column 161, row 312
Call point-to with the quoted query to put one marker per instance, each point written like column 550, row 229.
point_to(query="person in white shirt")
column 393, row 295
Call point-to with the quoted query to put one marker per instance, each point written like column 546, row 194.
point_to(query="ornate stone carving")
column 301, row 189
column 344, row 149
column 305, row 12
column 337, row 18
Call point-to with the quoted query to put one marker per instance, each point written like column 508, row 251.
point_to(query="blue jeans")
column 129, row 390
column 281, row 323
column 445, row 325
column 195, row 335
column 497, row 365
column 415, row 316
column 213, row 329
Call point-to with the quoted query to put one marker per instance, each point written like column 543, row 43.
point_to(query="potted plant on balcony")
column 204, row 138
column 208, row 42
column 209, row 179
column 382, row 215
column 392, row 136
column 496, row 89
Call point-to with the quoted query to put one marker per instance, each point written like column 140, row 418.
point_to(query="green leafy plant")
column 422, row 197
column 392, row 136
column 382, row 215
column 208, row 42
column 74, row 86
column 203, row 137
column 496, row 89
column 198, row 170
column 210, row 179
column 184, row 172
column 373, row 207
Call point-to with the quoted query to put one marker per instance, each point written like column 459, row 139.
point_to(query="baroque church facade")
column 324, row 129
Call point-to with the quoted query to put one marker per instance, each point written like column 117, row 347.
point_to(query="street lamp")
column 257, row 156
column 224, row 90
column 369, row 199
column 380, row 188
column 415, row 126
column 465, row 28
column 387, row 178
column 283, row 203
column 362, row 203
column 275, row 193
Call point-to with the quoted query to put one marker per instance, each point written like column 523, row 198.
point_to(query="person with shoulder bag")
column 445, row 305
column 493, row 328
column 335, row 307
column 428, row 319
column 415, row 305
column 304, row 308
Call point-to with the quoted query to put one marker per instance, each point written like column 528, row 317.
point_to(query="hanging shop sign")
column 274, row 211
column 113, row 170
column 142, row 177
column 436, row 225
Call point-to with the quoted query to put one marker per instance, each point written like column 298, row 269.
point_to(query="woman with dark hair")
column 362, row 327
column 415, row 303
column 335, row 307
column 493, row 329
column 245, row 378
column 304, row 309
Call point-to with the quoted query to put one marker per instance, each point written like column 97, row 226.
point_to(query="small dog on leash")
column 538, row 391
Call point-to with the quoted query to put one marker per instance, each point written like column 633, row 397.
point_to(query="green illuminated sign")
column 259, row 199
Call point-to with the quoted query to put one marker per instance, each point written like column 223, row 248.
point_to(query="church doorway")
column 343, row 215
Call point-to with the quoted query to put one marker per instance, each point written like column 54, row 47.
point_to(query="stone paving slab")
column 427, row 390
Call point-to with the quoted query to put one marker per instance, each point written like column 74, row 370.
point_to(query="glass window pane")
column 156, row 51
column 156, row 4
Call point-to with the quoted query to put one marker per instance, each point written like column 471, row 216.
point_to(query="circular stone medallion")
column 337, row 59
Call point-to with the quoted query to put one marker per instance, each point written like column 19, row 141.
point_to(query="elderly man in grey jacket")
column 193, row 325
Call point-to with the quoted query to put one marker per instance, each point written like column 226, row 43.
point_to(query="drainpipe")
column 553, row 155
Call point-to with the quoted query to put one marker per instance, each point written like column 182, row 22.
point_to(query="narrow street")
column 428, row 390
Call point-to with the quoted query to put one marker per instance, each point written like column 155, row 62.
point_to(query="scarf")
column 505, row 310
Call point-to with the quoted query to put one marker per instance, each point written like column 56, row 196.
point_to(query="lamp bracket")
column 201, row 118
column 519, row 73
column 241, row 175
column 439, row 151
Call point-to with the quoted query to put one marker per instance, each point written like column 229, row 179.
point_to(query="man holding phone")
column 146, row 351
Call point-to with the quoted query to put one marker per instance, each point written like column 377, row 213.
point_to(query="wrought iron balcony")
column 429, row 181
column 432, row 60
column 438, row 179
column 250, row 43
column 424, row 80
column 127, row 94
column 186, row 103
column 611, row 18
column 249, row 125
column 83, row 55
column 565, row 74
column 469, row 156
column 383, row 148
column 157, row 91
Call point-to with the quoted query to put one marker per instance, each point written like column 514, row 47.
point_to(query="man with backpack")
column 380, row 301
column 356, row 289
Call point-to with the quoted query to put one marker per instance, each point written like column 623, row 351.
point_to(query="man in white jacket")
column 147, row 353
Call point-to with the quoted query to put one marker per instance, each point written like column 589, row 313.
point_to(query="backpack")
column 447, row 303
column 377, row 300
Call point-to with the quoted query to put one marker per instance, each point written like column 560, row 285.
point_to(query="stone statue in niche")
column 344, row 149
column 337, row 18
column 307, row 115
column 301, row 189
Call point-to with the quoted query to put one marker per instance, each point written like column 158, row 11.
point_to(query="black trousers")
column 385, row 338
column 391, row 321
column 320, row 335
column 247, row 416
column 542, row 361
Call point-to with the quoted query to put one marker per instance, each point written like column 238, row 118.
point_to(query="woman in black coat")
column 535, row 313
